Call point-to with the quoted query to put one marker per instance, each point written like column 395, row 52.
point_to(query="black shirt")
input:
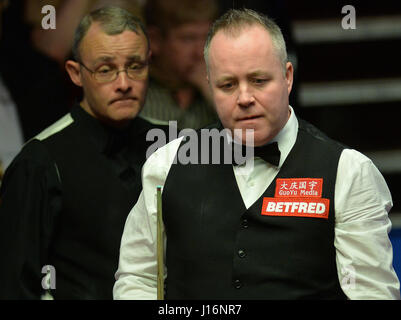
column 53, row 209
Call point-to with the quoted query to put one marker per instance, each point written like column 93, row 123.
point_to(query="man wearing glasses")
column 66, row 196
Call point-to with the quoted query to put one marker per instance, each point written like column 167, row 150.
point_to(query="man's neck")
column 183, row 93
column 184, row 97
column 119, row 125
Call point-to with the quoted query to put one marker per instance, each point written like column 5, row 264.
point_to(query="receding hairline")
column 99, row 27
column 103, row 28
column 236, row 32
column 112, row 21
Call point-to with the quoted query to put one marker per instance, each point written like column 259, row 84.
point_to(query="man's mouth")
column 248, row 118
column 123, row 100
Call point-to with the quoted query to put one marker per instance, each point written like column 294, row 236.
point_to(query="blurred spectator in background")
column 33, row 91
column 57, row 43
column 178, row 87
column 11, row 136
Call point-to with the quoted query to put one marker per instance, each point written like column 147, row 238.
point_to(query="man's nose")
column 122, row 82
column 245, row 96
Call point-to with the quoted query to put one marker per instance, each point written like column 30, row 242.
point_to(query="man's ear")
column 74, row 71
column 289, row 75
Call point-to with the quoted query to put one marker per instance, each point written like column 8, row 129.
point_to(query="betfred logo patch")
column 296, row 207
column 299, row 187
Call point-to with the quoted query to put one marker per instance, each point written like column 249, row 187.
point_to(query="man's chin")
column 252, row 136
column 122, row 116
column 124, row 108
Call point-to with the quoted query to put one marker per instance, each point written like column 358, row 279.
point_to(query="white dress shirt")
column 362, row 202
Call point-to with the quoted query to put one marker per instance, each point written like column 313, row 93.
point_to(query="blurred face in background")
column 179, row 50
column 118, row 101
column 3, row 5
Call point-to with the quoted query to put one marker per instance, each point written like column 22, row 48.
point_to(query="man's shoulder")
column 57, row 127
column 147, row 124
column 34, row 154
column 318, row 135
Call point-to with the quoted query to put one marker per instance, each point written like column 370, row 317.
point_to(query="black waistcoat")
column 95, row 204
column 217, row 249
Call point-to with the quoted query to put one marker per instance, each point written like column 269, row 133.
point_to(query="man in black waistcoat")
column 66, row 196
column 304, row 218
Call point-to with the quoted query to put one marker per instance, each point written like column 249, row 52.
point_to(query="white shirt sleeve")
column 364, row 253
column 136, row 277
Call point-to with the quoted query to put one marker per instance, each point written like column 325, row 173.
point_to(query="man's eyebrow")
column 133, row 58
column 224, row 79
column 258, row 73
column 104, row 59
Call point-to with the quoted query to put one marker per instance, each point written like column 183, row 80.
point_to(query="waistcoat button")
column 241, row 253
column 237, row 284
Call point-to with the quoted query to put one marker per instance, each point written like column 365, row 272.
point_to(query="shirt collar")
column 287, row 136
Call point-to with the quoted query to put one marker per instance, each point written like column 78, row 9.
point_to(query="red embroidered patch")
column 296, row 207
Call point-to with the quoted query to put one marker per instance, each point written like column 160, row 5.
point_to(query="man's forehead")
column 96, row 31
column 238, row 36
column 249, row 52
column 98, row 44
column 249, row 42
